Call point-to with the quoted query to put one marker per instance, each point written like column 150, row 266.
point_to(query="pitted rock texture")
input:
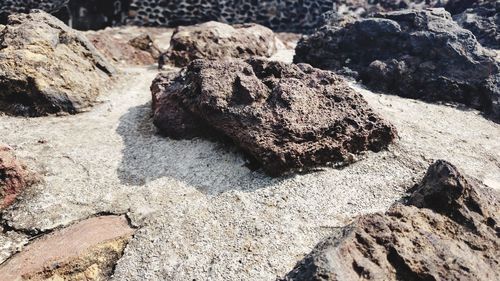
column 47, row 68
column 484, row 22
column 215, row 40
column 14, row 177
column 413, row 53
column 86, row 251
column 287, row 117
column 447, row 230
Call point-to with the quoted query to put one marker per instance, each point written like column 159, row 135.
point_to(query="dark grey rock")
column 420, row 54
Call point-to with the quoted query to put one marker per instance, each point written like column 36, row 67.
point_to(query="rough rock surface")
column 417, row 54
column 447, row 230
column 14, row 177
column 119, row 46
column 287, row 117
column 87, row 250
column 47, row 68
column 484, row 22
column 215, row 40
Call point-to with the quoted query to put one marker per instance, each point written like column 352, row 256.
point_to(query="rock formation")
column 214, row 40
column 48, row 68
column 484, row 22
column 413, row 53
column 287, row 117
column 447, row 230
column 14, row 177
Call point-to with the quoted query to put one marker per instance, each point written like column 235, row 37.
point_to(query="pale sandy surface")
column 202, row 214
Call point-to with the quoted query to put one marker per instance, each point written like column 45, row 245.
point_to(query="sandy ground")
column 203, row 215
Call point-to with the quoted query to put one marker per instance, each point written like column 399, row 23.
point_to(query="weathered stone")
column 14, row 177
column 214, row 40
column 87, row 250
column 484, row 22
column 416, row 54
column 124, row 46
column 47, row 68
column 287, row 117
column 447, row 230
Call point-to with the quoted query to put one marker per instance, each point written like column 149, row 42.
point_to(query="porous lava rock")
column 419, row 54
column 484, row 22
column 47, row 68
column 14, row 176
column 447, row 230
column 287, row 117
column 215, row 40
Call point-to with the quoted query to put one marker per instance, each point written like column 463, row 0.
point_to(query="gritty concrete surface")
column 202, row 214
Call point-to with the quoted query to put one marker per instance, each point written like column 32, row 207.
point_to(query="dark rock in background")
column 419, row 54
column 447, row 230
column 215, row 40
column 483, row 20
column 48, row 68
column 287, row 117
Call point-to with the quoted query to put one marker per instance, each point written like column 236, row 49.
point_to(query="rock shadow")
column 211, row 167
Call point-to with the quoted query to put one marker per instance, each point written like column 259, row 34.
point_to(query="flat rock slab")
column 446, row 230
column 287, row 117
column 420, row 54
column 215, row 40
column 47, row 68
column 86, row 249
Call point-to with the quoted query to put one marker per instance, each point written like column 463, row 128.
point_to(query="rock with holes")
column 48, row 68
column 287, row 117
column 14, row 177
column 484, row 21
column 420, row 54
column 215, row 40
column 446, row 230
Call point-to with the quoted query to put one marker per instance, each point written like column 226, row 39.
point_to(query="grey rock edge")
column 446, row 230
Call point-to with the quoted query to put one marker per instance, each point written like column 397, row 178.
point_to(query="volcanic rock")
column 484, row 22
column 124, row 46
column 412, row 53
column 87, row 250
column 46, row 67
column 447, row 230
column 287, row 117
column 215, row 40
column 14, row 177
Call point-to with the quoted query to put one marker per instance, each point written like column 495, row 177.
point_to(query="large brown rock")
column 14, row 177
column 287, row 117
column 46, row 67
column 447, row 230
column 420, row 54
column 215, row 40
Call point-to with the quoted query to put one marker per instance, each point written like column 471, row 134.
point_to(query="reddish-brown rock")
column 14, row 177
column 215, row 40
column 287, row 117
column 447, row 230
column 87, row 250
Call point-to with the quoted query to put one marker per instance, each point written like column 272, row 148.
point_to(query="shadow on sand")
column 210, row 167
